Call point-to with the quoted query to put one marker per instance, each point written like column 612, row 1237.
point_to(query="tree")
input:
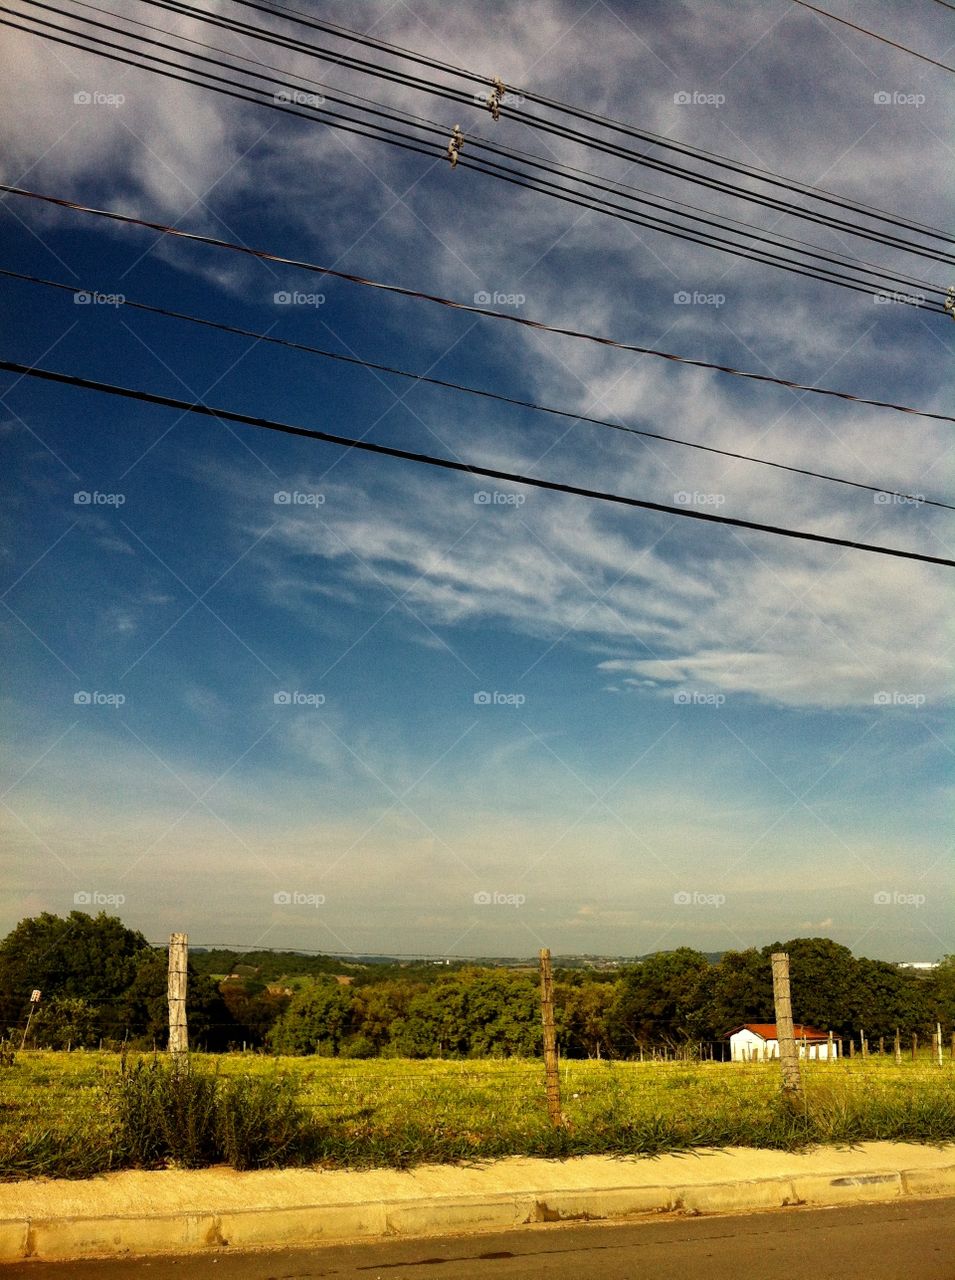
column 663, row 998
column 583, row 1013
column 317, row 1019
column 742, row 991
column 65, row 1022
column 824, row 978
column 91, row 958
column 143, row 1012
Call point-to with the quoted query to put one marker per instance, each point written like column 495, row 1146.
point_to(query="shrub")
column 261, row 1123
column 167, row 1114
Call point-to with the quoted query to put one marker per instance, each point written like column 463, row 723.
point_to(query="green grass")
column 60, row 1115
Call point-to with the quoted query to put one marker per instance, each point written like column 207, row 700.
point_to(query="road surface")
column 911, row 1240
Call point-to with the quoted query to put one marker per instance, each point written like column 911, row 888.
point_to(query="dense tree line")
column 104, row 982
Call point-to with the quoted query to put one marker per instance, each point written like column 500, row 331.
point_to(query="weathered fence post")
column 785, row 1036
column 938, row 1041
column 178, row 964
column 550, row 1039
column 881, row 1046
column 915, row 1044
column 898, row 1047
column 831, row 1047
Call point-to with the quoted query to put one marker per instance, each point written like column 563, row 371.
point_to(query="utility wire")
column 474, row 391
column 563, row 131
column 635, row 194
column 306, row 20
column 447, row 464
column 461, row 306
column 866, row 32
column 518, row 178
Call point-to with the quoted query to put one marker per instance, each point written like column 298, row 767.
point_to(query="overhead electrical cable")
column 625, row 190
column 884, row 279
column 73, row 289
column 883, row 274
column 474, row 309
column 307, row 20
column 448, row 464
column 875, row 36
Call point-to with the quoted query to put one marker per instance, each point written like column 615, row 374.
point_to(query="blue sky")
column 388, row 699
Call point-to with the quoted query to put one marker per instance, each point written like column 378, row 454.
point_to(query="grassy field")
column 58, row 1110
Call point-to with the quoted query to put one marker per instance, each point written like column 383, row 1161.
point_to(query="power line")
column 517, row 178
column 866, row 32
column 475, row 391
column 634, row 194
column 447, row 464
column 563, row 131
column 463, row 306
column 306, row 20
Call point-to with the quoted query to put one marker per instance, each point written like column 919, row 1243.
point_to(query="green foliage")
column 662, row 999
column 167, row 1114
column 65, row 1021
column 315, row 1021
column 262, row 1124
column 85, row 957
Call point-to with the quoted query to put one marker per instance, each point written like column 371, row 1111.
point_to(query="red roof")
column 767, row 1031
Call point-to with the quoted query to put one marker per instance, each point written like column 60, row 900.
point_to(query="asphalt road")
column 914, row 1240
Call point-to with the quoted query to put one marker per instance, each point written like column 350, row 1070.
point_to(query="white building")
column 754, row 1041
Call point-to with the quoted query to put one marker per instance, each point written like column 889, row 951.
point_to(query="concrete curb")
column 47, row 1237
